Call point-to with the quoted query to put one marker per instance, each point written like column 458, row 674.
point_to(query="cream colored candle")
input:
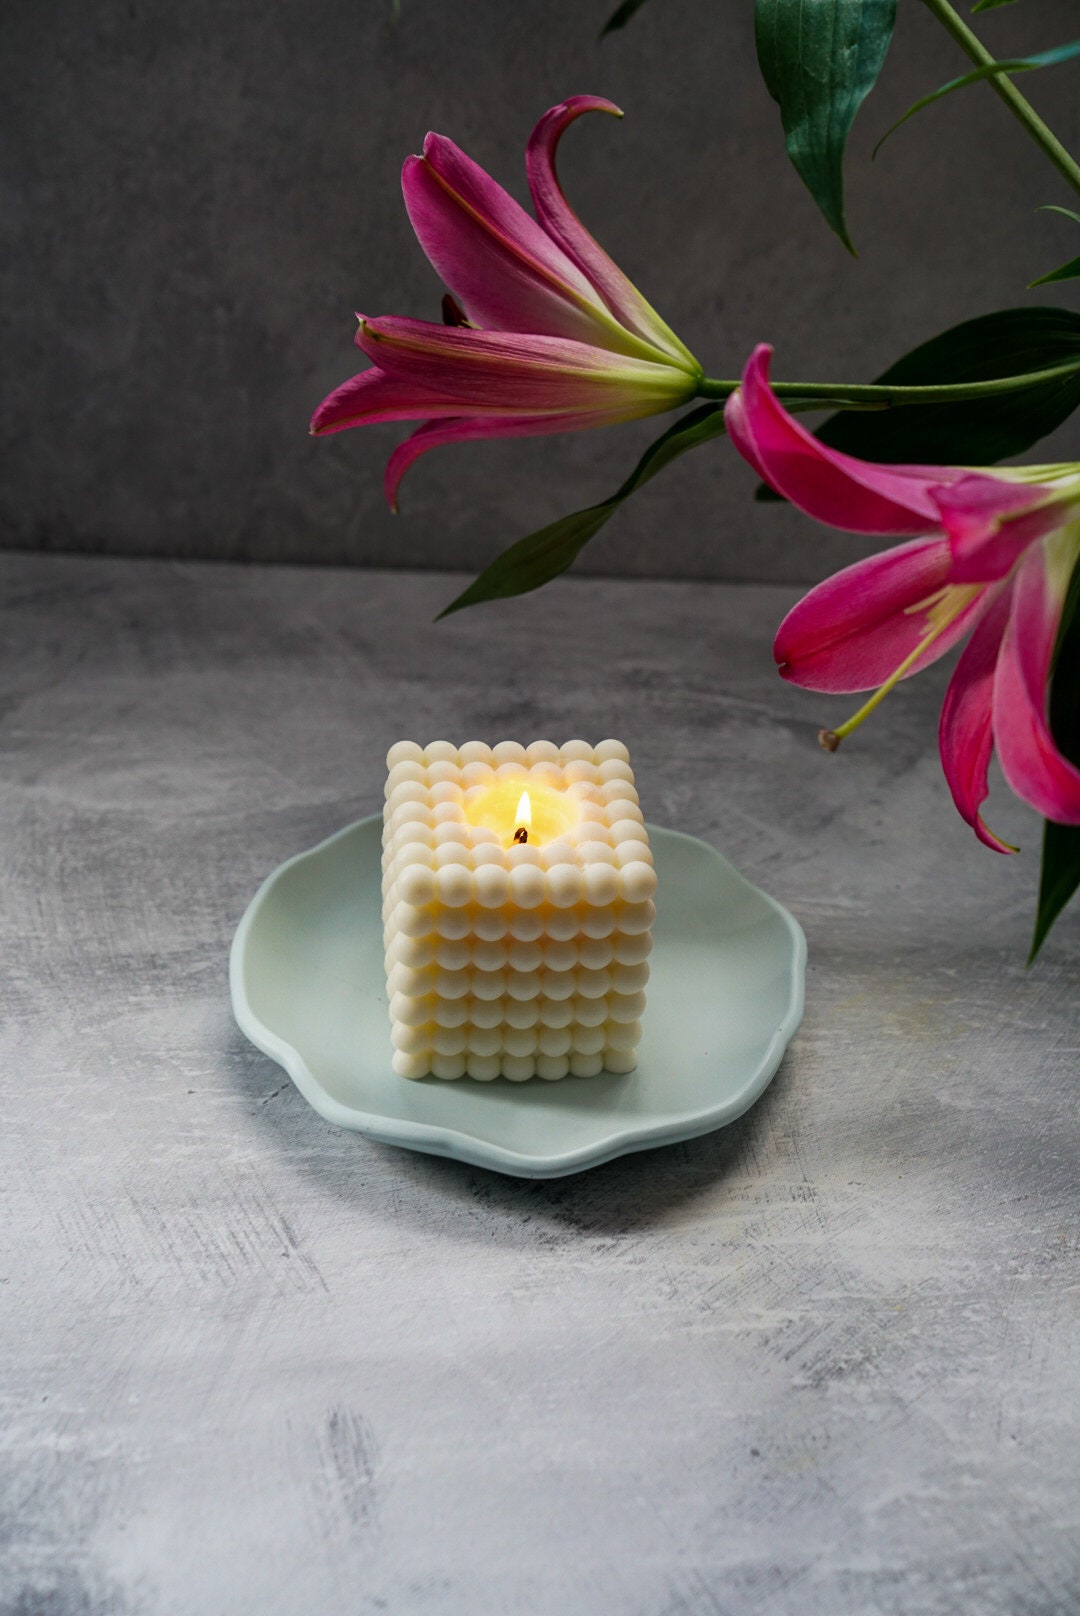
column 517, row 909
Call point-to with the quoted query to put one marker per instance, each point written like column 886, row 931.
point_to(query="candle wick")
column 521, row 834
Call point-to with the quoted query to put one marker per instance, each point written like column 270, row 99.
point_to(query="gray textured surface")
column 197, row 197
column 823, row 1363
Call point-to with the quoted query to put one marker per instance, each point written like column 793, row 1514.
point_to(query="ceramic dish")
column 724, row 998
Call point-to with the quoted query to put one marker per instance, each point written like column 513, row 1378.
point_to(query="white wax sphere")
column 611, row 749
column 410, row 853
column 632, row 950
column 448, row 833
column 560, row 956
column 449, row 1040
column 407, row 770
column 518, row 1068
column 488, row 984
column 404, row 752
column 554, row 1040
column 489, row 924
column 637, row 917
column 475, row 752
column 520, row 1040
column 562, row 924
column 625, row 1007
column 616, row 769
column 452, row 922
column 406, row 1065
column 524, row 984
column 630, row 978
column 525, row 924
column 482, row 1067
column 453, row 955
column 521, row 956
column 601, row 884
column 451, row 1012
column 637, row 881
column 580, row 1065
column 585, row 1041
column 564, row 885
column 521, row 1012
column 552, row 1067
column 508, row 752
column 407, row 793
column 594, row 849
column 558, row 851
column 542, row 752
column 413, row 1012
column 581, row 769
column 492, row 886
column 452, row 984
column 510, row 771
column 526, row 886
column 440, row 772
column 487, row 1013
column 414, row 951
column 623, row 1034
column 485, row 1040
column 450, row 1066
column 440, row 752
column 489, row 853
column 619, row 803
column 446, row 812
column 558, row 984
column 628, row 833
column 452, row 852
column 595, row 952
column 619, row 1060
column 547, row 774
column 489, row 956
column 453, row 885
column 412, row 1040
column 446, row 793
column 570, row 751
column 477, row 777
column 556, row 1012
column 598, row 922
column 594, row 984
column 414, row 922
column 591, row 1012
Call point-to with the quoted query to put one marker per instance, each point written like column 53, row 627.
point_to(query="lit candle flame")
column 523, row 816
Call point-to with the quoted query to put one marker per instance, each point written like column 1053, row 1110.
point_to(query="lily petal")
column 564, row 227
column 965, row 732
column 372, row 396
column 990, row 523
column 835, row 488
column 1029, row 757
column 462, row 429
column 504, row 372
column 508, row 274
column 854, row 630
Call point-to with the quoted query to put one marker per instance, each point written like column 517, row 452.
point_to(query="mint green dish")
column 724, row 999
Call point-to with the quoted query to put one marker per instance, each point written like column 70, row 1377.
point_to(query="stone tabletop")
column 823, row 1362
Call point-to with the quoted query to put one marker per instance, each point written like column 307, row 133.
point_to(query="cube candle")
column 517, row 909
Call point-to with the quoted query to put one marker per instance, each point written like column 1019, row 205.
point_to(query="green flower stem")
column 1017, row 104
column 841, row 395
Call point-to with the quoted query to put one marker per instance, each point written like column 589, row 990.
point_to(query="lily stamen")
column 942, row 612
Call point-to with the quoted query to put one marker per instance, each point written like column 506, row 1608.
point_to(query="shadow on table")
column 631, row 1192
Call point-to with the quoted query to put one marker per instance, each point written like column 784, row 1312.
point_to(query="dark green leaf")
column 1061, row 843
column 1053, row 207
column 989, row 5
column 621, row 16
column 982, row 431
column 820, row 59
column 543, row 555
column 1064, row 272
column 1016, row 64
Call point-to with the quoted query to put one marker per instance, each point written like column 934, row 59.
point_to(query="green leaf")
column 535, row 560
column 1053, row 207
column 1060, row 875
column 990, row 70
column 621, row 16
column 989, row 5
column 982, row 431
column 820, row 59
column 1064, row 272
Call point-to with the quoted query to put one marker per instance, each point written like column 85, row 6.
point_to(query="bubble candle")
column 517, row 909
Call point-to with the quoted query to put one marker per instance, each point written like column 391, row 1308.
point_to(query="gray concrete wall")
column 197, row 197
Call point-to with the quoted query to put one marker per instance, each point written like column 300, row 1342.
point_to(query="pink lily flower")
column 550, row 336
column 993, row 563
